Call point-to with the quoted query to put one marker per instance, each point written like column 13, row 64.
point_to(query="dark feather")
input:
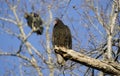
column 34, row 22
column 61, row 36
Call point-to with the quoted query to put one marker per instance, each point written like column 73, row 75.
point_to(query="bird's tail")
column 60, row 60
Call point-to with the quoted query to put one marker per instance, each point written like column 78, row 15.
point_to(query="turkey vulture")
column 34, row 22
column 61, row 37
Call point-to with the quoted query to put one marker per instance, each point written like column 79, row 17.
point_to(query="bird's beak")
column 55, row 22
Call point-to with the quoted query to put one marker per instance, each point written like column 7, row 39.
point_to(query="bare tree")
column 95, row 32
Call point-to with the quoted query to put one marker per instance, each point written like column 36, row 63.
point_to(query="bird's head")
column 26, row 15
column 57, row 21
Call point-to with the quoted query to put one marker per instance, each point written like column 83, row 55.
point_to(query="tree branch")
column 8, row 20
column 14, row 54
column 50, row 63
column 90, row 62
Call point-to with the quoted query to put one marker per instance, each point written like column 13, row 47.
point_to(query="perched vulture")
column 34, row 22
column 61, row 37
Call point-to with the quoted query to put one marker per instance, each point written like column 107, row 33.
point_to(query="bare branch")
column 12, row 54
column 90, row 62
column 110, row 32
column 50, row 63
column 8, row 20
column 94, row 24
column 23, row 39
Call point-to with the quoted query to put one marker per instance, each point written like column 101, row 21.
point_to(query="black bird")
column 35, row 22
column 61, row 37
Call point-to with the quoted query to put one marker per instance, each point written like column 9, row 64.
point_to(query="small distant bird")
column 61, row 37
column 35, row 22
